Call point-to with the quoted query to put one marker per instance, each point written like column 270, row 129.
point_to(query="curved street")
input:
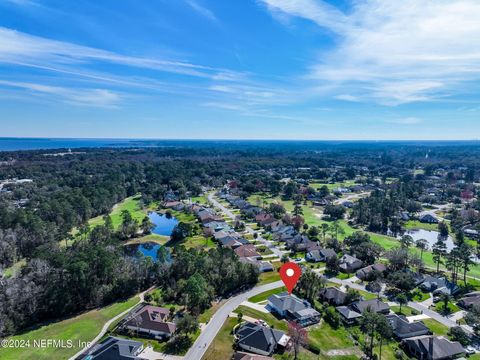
column 198, row 349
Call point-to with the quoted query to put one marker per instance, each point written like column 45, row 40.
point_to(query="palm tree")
column 445, row 298
column 422, row 244
column 384, row 332
column 402, row 300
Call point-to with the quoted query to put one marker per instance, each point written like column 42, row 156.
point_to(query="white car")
column 470, row 350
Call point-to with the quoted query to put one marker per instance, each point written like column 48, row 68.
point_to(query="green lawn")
column 346, row 183
column 324, row 337
column 82, row 328
column 196, row 242
column 159, row 239
column 268, row 277
column 222, row 345
column 439, row 307
column 265, row 295
column 419, row 295
column 131, row 204
column 267, row 317
column 407, row 311
column 415, row 224
column 436, row 327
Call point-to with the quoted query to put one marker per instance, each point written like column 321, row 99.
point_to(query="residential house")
column 216, row 226
column 433, row 348
column 260, row 339
column 320, row 255
column 373, row 305
column 403, row 329
column 351, row 313
column 438, row 285
column 469, row 300
column 298, row 242
column 428, row 218
column 350, row 263
column 263, row 266
column 367, row 271
column 348, row 315
column 333, row 296
column 291, row 307
column 115, row 348
column 245, row 251
column 151, row 321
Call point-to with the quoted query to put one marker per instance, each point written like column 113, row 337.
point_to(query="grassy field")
column 155, row 238
column 415, row 224
column 221, row 347
column 406, row 310
column 268, row 318
column 81, row 328
column 435, row 327
column 324, row 337
column 346, row 183
column 451, row 307
column 268, row 277
column 265, row 295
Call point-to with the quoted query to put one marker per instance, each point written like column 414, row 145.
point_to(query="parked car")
column 470, row 350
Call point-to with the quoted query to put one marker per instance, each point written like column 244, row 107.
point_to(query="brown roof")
column 246, row 251
column 152, row 318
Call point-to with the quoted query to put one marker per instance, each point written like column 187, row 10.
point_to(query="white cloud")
column 202, row 10
column 346, row 97
column 395, row 52
column 405, row 121
column 84, row 97
column 28, row 50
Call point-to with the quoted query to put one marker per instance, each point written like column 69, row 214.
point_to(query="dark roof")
column 332, row 294
column 348, row 313
column 152, row 318
column 404, row 329
column 113, row 348
column 284, row 301
column 328, row 253
column 259, row 337
column 469, row 301
column 374, row 305
column 435, row 347
column 363, row 272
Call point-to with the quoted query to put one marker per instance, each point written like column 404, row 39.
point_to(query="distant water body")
column 15, row 144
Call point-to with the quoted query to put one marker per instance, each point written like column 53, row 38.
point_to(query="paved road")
column 108, row 323
column 232, row 216
column 206, row 337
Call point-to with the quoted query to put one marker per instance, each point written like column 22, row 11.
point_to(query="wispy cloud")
column 405, row 121
column 395, row 52
column 28, row 50
column 84, row 97
column 202, row 10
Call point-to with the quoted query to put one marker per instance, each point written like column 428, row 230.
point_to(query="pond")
column 431, row 236
column 146, row 249
column 164, row 224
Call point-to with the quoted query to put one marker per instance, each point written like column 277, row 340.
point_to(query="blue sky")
column 250, row 69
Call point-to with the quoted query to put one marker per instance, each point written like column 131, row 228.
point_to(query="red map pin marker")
column 290, row 273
